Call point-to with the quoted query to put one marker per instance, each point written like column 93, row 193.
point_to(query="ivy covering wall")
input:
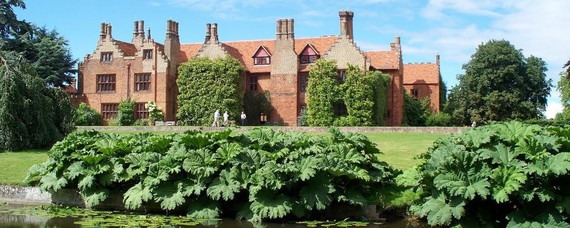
column 207, row 85
column 364, row 96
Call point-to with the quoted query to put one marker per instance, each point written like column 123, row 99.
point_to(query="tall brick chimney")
column 346, row 23
column 211, row 34
column 106, row 31
column 284, row 78
column 138, row 33
column 437, row 59
column 208, row 32
column 172, row 42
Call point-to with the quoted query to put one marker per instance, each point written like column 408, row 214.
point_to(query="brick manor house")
column 145, row 70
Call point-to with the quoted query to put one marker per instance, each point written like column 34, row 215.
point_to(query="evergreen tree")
column 499, row 84
column 32, row 115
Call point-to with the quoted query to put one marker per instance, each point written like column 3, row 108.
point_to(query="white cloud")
column 552, row 108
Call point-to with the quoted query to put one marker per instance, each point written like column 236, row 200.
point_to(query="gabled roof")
column 244, row 50
column 319, row 44
column 383, row 60
column 128, row 49
column 424, row 73
column 309, row 50
column 262, row 52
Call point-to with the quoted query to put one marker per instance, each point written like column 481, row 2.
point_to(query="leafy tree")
column 46, row 50
column 9, row 23
column 207, row 85
column 87, row 116
column 49, row 53
column 416, row 111
column 563, row 87
column 442, row 93
column 499, row 84
column 31, row 114
column 322, row 93
column 126, row 115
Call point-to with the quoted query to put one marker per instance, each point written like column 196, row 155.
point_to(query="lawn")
column 399, row 151
column 14, row 165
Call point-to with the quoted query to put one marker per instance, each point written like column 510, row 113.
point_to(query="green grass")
column 399, row 151
column 15, row 165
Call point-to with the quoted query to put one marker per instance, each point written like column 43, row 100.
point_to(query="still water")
column 23, row 216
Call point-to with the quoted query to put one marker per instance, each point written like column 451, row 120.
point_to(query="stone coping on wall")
column 440, row 130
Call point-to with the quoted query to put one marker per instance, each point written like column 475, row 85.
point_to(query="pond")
column 52, row 216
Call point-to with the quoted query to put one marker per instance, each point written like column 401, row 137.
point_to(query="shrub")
column 126, row 116
column 439, row 119
column 269, row 174
column 507, row 174
column 86, row 116
column 154, row 113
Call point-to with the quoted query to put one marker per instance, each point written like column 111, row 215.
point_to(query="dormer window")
column 262, row 57
column 106, row 56
column 309, row 55
column 147, row 54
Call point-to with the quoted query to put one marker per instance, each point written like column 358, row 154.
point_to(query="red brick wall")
column 426, row 90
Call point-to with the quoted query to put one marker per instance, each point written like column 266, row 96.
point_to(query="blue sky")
column 452, row 28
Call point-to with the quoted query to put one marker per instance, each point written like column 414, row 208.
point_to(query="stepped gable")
column 426, row 72
column 128, row 49
column 383, row 60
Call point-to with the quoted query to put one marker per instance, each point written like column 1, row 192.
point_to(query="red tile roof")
column 383, row 60
column 424, row 73
column 128, row 49
column 244, row 50
column 188, row 51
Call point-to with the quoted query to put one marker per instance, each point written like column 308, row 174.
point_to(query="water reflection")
column 11, row 216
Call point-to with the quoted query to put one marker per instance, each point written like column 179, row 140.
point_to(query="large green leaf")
column 560, row 164
column 50, row 182
column 440, row 211
column 169, row 196
column 94, row 196
column 506, row 180
column 136, row 196
column 223, row 187
column 269, row 205
column 317, row 193
column 203, row 208
column 308, row 167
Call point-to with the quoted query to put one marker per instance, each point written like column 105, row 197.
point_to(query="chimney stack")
column 141, row 28
column 208, row 32
column 437, row 59
column 214, row 32
column 285, row 29
column 346, row 23
column 136, row 29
